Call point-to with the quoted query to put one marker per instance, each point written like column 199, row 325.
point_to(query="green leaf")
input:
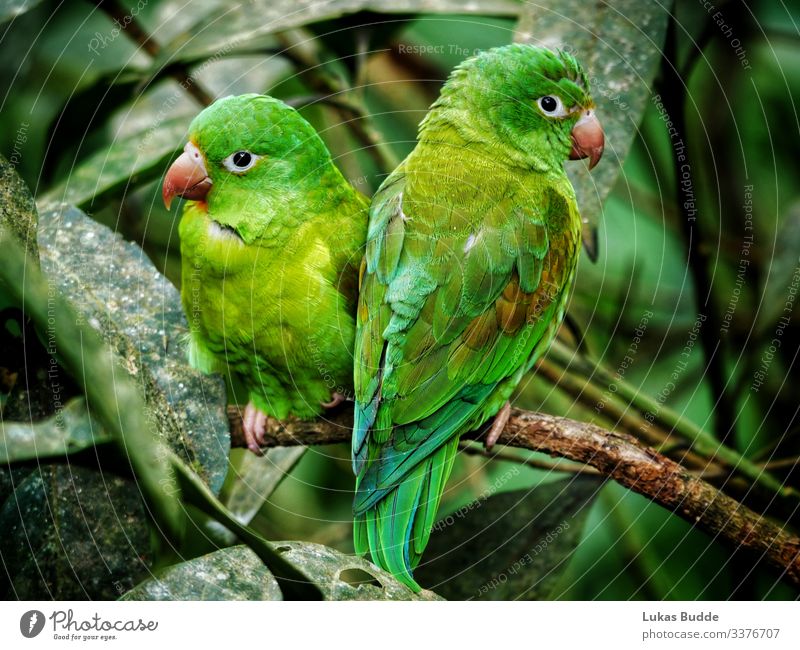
column 234, row 573
column 256, row 479
column 17, row 209
column 72, row 429
column 71, row 533
column 115, row 289
column 111, row 394
column 229, row 29
column 10, row 9
column 128, row 162
column 512, row 545
column 347, row 577
column 68, row 130
column 619, row 45
column 781, row 270
column 294, row 583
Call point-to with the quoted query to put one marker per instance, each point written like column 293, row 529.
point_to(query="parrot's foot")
column 500, row 421
column 254, row 426
column 336, row 399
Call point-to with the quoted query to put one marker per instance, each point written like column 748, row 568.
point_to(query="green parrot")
column 471, row 254
column 271, row 242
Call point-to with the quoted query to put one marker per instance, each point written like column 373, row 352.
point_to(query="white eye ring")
column 554, row 108
column 240, row 161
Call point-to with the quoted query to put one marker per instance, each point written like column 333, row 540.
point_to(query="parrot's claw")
column 336, row 399
column 500, row 421
column 254, row 427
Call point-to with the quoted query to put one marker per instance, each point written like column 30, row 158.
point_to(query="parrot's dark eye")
column 240, row 161
column 552, row 106
column 549, row 104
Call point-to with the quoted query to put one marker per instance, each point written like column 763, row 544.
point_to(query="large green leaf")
column 509, row 546
column 111, row 393
column 256, row 479
column 294, row 582
column 72, row 533
column 115, row 288
column 619, row 43
column 347, row 577
column 17, row 209
column 234, row 573
column 69, row 431
column 780, row 278
column 231, row 28
column 10, row 9
column 71, row 131
column 127, row 162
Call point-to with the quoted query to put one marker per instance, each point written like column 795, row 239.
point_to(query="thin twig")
column 702, row 442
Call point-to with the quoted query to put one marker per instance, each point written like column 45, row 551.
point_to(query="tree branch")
column 616, row 455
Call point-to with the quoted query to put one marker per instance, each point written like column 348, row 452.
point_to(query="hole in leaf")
column 283, row 549
column 358, row 577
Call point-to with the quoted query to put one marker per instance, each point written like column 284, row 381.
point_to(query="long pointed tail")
column 396, row 529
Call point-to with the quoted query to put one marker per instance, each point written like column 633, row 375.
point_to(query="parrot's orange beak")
column 588, row 139
column 187, row 177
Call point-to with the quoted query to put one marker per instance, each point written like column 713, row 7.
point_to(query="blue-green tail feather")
column 397, row 527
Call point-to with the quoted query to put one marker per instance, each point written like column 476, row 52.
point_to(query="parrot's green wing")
column 452, row 312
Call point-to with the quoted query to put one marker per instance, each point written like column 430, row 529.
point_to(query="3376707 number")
column 754, row 633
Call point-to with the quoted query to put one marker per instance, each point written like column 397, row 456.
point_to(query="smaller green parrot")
column 271, row 241
column 470, row 259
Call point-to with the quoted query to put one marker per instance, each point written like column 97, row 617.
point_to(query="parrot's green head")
column 247, row 156
column 531, row 99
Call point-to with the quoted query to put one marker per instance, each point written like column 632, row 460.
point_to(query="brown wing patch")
column 555, row 273
column 481, row 331
column 511, row 308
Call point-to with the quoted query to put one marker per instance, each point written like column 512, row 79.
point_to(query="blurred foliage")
column 683, row 332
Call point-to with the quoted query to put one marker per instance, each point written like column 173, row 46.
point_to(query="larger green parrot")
column 471, row 254
column 271, row 242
